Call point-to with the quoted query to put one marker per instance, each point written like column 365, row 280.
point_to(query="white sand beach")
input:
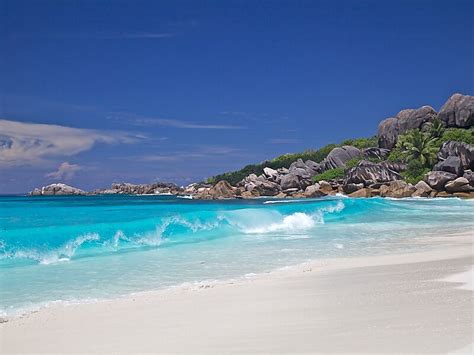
column 419, row 302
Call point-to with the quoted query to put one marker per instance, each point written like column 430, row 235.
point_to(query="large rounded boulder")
column 458, row 111
column 390, row 128
column 338, row 157
column 437, row 179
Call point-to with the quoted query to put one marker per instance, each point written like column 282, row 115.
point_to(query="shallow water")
column 83, row 248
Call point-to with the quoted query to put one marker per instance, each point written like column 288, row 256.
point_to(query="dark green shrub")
column 415, row 171
column 353, row 162
column 396, row 156
column 459, row 135
column 330, row 175
column 362, row 143
column 436, row 128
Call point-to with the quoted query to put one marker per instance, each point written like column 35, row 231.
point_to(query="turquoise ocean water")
column 74, row 249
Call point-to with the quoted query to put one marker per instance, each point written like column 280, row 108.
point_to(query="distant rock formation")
column 58, row 189
column 140, row 189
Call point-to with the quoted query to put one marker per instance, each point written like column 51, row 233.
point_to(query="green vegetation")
column 416, row 145
column 396, row 155
column 416, row 148
column 415, row 172
column 352, row 163
column 458, row 134
column 437, row 128
column 362, row 143
column 283, row 161
column 330, row 175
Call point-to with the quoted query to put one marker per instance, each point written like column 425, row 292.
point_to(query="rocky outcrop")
column 376, row 153
column 460, row 184
column 469, row 175
column 289, row 181
column 313, row 191
column 422, row 189
column 364, row 192
column 326, row 188
column 437, row 179
column 270, row 174
column 57, row 190
column 126, row 188
column 397, row 189
column 369, row 173
column 458, row 111
column 261, row 185
column 304, row 170
column 464, row 151
column 222, row 190
column 451, row 164
column 350, row 188
column 390, row 128
column 339, row 156
column 394, row 166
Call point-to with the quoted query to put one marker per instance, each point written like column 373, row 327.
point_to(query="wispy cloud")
column 24, row 143
column 65, row 171
column 152, row 121
column 193, row 153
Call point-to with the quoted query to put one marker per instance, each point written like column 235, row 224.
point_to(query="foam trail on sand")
column 466, row 279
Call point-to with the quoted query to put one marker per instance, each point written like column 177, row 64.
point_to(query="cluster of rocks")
column 452, row 175
column 458, row 111
column 120, row 188
column 296, row 181
column 57, row 189
column 454, row 171
column 126, row 188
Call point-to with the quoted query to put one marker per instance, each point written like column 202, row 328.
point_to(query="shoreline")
column 450, row 255
column 322, row 264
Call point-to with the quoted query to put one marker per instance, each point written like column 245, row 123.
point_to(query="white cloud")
column 24, row 143
column 151, row 121
column 65, row 171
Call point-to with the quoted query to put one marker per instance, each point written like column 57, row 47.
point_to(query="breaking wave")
column 179, row 229
column 61, row 254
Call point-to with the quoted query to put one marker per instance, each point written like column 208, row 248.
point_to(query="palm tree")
column 416, row 145
column 436, row 128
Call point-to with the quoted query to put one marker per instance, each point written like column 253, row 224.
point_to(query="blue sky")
column 94, row 92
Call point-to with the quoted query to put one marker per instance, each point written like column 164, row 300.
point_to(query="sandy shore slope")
column 397, row 303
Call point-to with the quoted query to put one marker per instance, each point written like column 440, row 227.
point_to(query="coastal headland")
column 417, row 153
